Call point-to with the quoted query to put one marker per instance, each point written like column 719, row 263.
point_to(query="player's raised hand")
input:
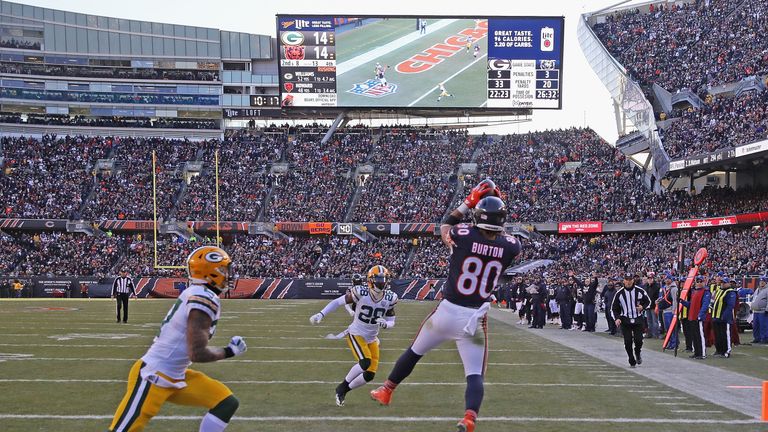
column 476, row 194
column 237, row 345
column 316, row 318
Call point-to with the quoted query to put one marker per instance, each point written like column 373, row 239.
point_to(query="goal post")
column 157, row 264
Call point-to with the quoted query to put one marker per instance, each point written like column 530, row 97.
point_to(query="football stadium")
column 396, row 219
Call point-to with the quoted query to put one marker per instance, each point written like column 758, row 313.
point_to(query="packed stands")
column 723, row 122
column 689, row 45
column 122, row 122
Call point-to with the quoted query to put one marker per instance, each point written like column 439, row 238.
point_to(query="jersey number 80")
column 475, row 277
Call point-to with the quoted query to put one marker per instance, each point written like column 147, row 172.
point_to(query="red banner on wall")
column 754, row 218
column 579, row 227
column 704, row 223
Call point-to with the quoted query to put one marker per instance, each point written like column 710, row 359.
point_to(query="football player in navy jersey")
column 479, row 254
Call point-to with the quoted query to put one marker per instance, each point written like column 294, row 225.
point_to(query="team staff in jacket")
column 122, row 288
column 759, row 317
column 652, row 288
column 538, row 304
column 564, row 300
column 628, row 306
column 723, row 303
column 590, row 315
column 578, row 294
column 697, row 312
column 609, row 291
column 667, row 304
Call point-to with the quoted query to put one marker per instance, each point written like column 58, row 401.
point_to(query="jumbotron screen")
column 420, row 62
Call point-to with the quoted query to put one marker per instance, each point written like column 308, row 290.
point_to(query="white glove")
column 383, row 324
column 237, row 345
column 316, row 318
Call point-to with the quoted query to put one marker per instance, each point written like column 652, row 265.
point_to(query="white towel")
column 471, row 327
column 341, row 335
column 159, row 381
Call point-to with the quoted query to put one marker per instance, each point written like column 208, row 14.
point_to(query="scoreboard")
column 307, row 62
column 523, row 63
column 420, row 61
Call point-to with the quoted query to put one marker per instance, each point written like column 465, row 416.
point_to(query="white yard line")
column 111, row 359
column 339, row 347
column 385, row 49
column 697, row 411
column 665, row 397
column 392, row 419
column 432, row 90
column 307, row 382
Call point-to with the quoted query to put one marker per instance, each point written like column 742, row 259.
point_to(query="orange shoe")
column 465, row 425
column 382, row 394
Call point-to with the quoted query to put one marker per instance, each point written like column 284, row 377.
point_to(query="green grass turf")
column 746, row 359
column 550, row 380
column 468, row 87
column 356, row 41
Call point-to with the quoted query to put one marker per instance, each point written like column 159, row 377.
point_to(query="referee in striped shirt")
column 628, row 306
column 122, row 288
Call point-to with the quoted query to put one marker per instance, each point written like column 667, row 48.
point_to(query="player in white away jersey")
column 374, row 308
column 443, row 92
column 162, row 374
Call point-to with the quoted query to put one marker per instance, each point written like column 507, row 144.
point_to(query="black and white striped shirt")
column 625, row 303
column 122, row 285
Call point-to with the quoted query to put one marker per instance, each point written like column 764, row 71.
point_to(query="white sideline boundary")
column 386, row 419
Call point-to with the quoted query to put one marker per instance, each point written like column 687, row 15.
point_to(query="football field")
column 412, row 80
column 63, row 366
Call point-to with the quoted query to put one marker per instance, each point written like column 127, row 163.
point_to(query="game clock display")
column 420, row 62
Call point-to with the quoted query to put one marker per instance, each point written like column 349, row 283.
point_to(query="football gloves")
column 237, row 345
column 383, row 324
column 316, row 318
column 483, row 189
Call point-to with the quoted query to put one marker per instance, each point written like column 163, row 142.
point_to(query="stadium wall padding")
column 265, row 289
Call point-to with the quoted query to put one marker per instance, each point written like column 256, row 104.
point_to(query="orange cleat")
column 466, row 425
column 382, row 394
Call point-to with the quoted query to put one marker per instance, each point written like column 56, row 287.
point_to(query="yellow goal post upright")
column 154, row 210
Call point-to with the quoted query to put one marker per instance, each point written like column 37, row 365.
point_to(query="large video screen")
column 420, row 62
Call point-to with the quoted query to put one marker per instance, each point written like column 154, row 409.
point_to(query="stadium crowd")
column 126, row 192
column 123, row 122
column 344, row 256
column 735, row 251
column 65, row 254
column 694, row 45
column 47, row 177
column 310, row 195
column 394, row 198
column 558, row 175
column 345, row 150
column 722, row 122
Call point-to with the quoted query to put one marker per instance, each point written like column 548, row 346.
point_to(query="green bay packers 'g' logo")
column 292, row 38
column 214, row 257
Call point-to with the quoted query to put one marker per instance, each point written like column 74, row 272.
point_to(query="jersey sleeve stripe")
column 205, row 300
column 208, row 306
